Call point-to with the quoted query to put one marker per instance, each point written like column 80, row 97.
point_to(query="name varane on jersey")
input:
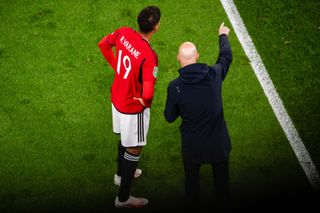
column 136, row 67
column 131, row 49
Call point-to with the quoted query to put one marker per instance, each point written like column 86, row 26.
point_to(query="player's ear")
column 198, row 55
column 157, row 26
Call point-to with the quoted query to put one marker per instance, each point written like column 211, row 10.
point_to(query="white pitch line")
column 271, row 93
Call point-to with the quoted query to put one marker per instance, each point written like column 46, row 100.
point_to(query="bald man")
column 196, row 97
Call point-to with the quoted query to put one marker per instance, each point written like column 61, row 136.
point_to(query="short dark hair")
column 148, row 18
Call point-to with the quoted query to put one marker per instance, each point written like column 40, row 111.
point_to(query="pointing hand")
column 223, row 29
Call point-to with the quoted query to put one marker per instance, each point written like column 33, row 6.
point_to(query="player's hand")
column 223, row 29
column 140, row 100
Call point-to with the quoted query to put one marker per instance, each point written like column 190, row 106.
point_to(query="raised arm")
column 225, row 52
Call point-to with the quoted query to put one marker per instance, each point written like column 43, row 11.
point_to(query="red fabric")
column 107, row 52
column 135, row 65
column 147, row 95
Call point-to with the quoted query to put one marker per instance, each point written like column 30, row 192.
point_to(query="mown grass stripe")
column 270, row 91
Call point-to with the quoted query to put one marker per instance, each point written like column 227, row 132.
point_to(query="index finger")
column 222, row 24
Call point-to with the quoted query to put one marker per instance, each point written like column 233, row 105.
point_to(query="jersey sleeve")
column 149, row 77
column 106, row 45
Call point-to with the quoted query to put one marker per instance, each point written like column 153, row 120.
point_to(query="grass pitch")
column 57, row 150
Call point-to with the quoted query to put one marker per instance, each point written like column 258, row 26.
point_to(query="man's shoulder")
column 174, row 83
column 148, row 52
column 136, row 39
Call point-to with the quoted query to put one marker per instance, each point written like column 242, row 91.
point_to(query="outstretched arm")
column 225, row 53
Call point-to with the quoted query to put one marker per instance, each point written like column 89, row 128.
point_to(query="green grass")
column 56, row 143
column 286, row 34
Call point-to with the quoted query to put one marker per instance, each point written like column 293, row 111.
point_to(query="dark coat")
column 196, row 96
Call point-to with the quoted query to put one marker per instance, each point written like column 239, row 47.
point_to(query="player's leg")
column 129, row 165
column 133, row 137
column 191, row 170
column 117, row 176
column 221, row 183
column 121, row 149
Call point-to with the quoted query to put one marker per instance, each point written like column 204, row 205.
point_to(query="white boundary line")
column 271, row 93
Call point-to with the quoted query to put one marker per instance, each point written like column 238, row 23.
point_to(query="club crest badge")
column 155, row 71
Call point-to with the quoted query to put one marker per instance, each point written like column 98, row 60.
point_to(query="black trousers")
column 220, row 177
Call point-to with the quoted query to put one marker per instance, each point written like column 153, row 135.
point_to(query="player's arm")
column 148, row 81
column 225, row 52
column 147, row 94
column 171, row 112
column 106, row 45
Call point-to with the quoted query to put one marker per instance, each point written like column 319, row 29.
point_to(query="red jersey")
column 135, row 66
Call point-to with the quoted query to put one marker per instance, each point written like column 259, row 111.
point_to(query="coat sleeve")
column 225, row 57
column 171, row 111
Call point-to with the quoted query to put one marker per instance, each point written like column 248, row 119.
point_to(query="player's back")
column 133, row 53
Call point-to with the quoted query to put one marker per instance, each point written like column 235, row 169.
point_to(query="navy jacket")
column 196, row 96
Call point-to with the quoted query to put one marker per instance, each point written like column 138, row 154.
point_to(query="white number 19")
column 126, row 63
